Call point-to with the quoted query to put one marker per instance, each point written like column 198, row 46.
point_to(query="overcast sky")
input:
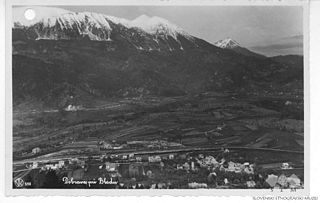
column 251, row 26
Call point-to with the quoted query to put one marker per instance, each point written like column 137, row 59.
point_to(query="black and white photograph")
column 134, row 97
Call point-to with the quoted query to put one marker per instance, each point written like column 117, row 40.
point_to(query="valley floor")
column 258, row 129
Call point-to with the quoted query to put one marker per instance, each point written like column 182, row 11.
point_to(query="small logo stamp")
column 19, row 182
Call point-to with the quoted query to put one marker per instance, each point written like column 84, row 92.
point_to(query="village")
column 163, row 171
column 205, row 141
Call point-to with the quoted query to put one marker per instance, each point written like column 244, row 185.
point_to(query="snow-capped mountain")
column 235, row 46
column 158, row 26
column 89, row 55
column 227, row 43
column 55, row 23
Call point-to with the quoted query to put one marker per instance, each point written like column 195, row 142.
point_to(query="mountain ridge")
column 96, row 26
column 130, row 62
column 227, row 43
column 232, row 44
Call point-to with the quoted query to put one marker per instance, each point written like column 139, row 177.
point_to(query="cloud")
column 279, row 46
column 295, row 37
column 287, row 45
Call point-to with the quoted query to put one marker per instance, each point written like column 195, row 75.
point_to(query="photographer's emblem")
column 19, row 182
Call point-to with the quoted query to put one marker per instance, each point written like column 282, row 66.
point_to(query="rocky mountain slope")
column 88, row 56
column 235, row 46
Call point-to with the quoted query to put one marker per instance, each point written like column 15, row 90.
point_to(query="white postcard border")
column 173, row 192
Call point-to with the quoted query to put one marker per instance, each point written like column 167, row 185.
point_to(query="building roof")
column 282, row 180
column 294, row 180
column 272, row 180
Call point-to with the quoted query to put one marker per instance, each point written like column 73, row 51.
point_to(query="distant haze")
column 270, row 30
column 283, row 46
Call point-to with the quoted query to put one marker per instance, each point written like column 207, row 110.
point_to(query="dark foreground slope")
column 50, row 70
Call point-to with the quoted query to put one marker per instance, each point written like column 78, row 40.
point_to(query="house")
column 60, row 163
column 272, row 180
column 251, row 184
column 222, row 168
column 110, row 166
column 209, row 161
column 219, row 128
column 117, row 147
column 161, row 185
column 294, row 181
column 100, row 142
column 288, row 103
column 72, row 108
column 226, row 181
column 195, row 185
column 282, row 180
column 171, row 156
column 231, row 166
column 152, row 146
column 164, row 157
column 248, row 170
column 114, row 174
column 105, row 146
column 149, row 174
column 285, row 166
column 36, row 150
column 179, row 167
column 138, row 158
column 186, row 166
column 73, row 161
column 222, row 161
column 192, row 166
column 154, row 158
column 34, row 164
column 238, row 168
column 51, row 166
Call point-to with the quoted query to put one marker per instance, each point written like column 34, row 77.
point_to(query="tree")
column 52, row 180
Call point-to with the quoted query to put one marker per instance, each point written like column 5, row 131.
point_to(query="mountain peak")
column 232, row 44
column 87, row 23
column 227, row 43
column 157, row 25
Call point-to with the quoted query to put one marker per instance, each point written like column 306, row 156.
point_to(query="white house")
column 110, row 166
column 36, row 150
column 154, row 158
column 35, row 164
column 60, row 163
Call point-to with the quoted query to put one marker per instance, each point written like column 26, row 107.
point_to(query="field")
column 202, row 120
column 258, row 129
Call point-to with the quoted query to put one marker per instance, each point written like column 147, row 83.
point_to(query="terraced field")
column 203, row 120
